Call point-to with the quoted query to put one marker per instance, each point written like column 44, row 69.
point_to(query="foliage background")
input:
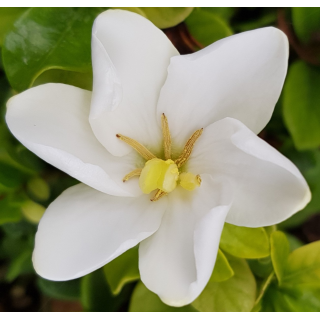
column 265, row 269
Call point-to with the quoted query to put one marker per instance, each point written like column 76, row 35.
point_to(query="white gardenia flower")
column 146, row 94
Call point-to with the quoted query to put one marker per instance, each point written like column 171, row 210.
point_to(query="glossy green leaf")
column 143, row 300
column 122, row 270
column 7, row 17
column 38, row 188
column 301, row 96
column 306, row 23
column 48, row 38
column 33, row 211
column 222, row 270
column 96, row 295
column 81, row 80
column 62, row 290
column 279, row 253
column 242, row 242
column 9, row 212
column 162, row 17
column 303, row 266
column 207, row 27
column 234, row 295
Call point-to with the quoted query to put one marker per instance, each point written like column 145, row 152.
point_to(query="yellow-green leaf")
column 222, row 270
column 242, row 242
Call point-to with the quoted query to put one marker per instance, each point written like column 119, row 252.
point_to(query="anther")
column 188, row 148
column 142, row 150
column 135, row 172
column 166, row 137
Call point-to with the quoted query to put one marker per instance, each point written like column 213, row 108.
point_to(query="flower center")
column 163, row 175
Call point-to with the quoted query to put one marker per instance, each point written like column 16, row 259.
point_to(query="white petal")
column 268, row 187
column 130, row 57
column 83, row 229
column 52, row 121
column 177, row 261
column 239, row 77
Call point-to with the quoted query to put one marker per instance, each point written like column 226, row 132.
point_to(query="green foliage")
column 234, row 295
column 48, row 38
column 64, row 290
column 301, row 96
column 242, row 242
column 7, row 18
column 9, row 211
column 162, row 17
column 96, row 295
column 143, row 300
column 122, row 270
column 306, row 23
column 222, row 270
column 207, row 27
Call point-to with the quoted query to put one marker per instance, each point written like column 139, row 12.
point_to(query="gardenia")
column 177, row 130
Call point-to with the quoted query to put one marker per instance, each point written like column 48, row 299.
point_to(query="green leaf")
column 11, row 177
column 303, row 266
column 225, row 13
column 9, row 212
column 306, row 23
column 48, row 38
column 33, row 211
column 77, row 79
column 21, row 264
column 222, row 270
column 261, row 267
column 301, row 96
column 62, row 290
column 162, row 17
column 279, row 253
column 122, row 270
column 38, row 188
column 294, row 243
column 7, row 17
column 291, row 300
column 207, row 27
column 143, row 300
column 96, row 295
column 262, row 290
column 242, row 242
column 234, row 295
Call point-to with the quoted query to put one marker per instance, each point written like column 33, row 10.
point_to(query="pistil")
column 163, row 175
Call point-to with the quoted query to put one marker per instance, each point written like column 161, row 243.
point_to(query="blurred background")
column 28, row 185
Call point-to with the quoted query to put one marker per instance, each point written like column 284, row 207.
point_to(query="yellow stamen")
column 166, row 137
column 189, row 181
column 142, row 150
column 135, row 172
column 188, row 148
column 159, row 194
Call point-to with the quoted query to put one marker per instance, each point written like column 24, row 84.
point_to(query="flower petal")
column 239, row 77
column 177, row 261
column 130, row 57
column 83, row 229
column 52, row 121
column 268, row 187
